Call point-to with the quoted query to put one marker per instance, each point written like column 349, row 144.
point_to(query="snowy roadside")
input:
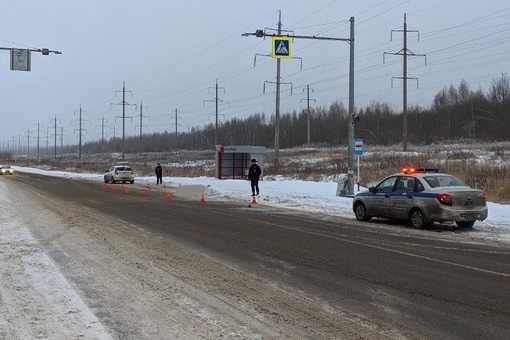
column 299, row 195
column 37, row 300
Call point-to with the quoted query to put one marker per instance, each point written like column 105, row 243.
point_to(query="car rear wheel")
column 465, row 224
column 131, row 182
column 418, row 220
column 361, row 212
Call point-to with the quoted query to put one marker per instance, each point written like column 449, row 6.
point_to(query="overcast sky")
column 170, row 53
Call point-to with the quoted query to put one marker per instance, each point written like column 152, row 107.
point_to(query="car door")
column 380, row 201
column 402, row 197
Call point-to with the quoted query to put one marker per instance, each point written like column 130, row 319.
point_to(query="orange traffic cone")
column 114, row 188
column 168, row 195
column 142, row 192
column 122, row 186
column 202, row 198
column 164, row 185
column 148, row 185
column 253, row 199
column 180, row 184
column 127, row 192
column 104, row 186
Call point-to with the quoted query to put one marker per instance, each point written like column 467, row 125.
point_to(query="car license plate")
column 470, row 217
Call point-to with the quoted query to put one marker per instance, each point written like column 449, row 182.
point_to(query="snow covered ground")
column 37, row 301
column 305, row 196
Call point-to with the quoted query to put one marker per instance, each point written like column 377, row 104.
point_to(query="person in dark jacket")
column 159, row 174
column 254, row 176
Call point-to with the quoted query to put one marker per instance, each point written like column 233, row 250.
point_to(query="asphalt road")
column 411, row 280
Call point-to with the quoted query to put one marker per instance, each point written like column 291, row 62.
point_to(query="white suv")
column 119, row 173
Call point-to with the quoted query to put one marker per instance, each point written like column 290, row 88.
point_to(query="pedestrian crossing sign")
column 282, row 47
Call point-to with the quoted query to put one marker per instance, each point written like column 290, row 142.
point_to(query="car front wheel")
column 361, row 212
column 418, row 220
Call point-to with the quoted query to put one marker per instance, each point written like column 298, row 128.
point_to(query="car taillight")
column 445, row 199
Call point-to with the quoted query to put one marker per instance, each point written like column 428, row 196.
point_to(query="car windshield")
column 441, row 181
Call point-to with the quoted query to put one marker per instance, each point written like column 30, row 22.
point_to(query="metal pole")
column 79, row 146
column 55, row 136
column 38, row 132
column 350, row 122
column 216, row 126
column 123, row 119
column 176, row 125
column 277, row 113
column 404, row 84
column 141, row 115
column 308, row 113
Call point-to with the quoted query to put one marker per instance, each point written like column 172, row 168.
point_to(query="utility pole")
column 62, row 141
column 261, row 33
column 47, row 143
column 352, row 117
column 55, row 134
column 277, row 108
column 114, row 137
column 216, row 100
column 102, row 133
column 308, row 112
column 38, row 137
column 176, row 124
column 405, row 52
column 80, row 129
column 141, row 126
column 124, row 103
column 28, row 143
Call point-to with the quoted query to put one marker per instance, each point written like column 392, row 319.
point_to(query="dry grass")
column 483, row 166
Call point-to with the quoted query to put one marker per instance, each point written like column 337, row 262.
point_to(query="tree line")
column 456, row 114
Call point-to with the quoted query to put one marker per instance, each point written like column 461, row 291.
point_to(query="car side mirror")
column 372, row 190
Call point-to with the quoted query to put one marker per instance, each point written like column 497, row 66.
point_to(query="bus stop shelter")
column 233, row 162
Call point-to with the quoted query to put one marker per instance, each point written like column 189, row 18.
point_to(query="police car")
column 422, row 197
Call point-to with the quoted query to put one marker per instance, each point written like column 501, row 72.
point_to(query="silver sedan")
column 119, row 173
column 422, row 197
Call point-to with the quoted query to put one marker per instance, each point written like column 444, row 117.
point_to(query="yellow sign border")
column 273, row 47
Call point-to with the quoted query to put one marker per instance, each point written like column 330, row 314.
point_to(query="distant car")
column 422, row 197
column 119, row 173
column 6, row 170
